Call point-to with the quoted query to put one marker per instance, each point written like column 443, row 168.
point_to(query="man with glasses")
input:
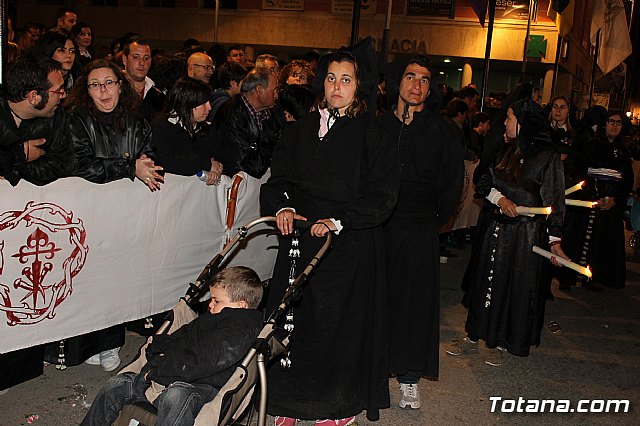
column 200, row 67
column 34, row 140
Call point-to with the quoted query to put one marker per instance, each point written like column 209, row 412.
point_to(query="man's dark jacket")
column 242, row 145
column 57, row 161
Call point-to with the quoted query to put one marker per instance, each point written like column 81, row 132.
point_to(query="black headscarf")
column 533, row 135
column 365, row 55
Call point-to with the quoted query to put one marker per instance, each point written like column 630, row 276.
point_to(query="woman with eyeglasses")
column 110, row 142
column 182, row 138
column 607, row 164
column 59, row 45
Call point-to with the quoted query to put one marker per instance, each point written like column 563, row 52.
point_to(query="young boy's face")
column 220, row 300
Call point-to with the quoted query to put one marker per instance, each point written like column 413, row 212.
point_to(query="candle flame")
column 588, row 272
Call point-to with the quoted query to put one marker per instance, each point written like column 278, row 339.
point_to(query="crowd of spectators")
column 140, row 112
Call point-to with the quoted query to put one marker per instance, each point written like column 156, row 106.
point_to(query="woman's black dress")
column 506, row 298
column 339, row 345
column 606, row 254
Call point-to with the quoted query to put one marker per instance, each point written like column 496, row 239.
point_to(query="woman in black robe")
column 505, row 297
column 337, row 168
column 606, row 254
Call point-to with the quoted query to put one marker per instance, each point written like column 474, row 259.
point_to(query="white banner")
column 77, row 257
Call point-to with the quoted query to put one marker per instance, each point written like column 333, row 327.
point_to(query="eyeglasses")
column 206, row 67
column 60, row 92
column 615, row 122
column 109, row 84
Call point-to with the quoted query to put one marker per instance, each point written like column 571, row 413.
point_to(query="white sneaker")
column 462, row 347
column 497, row 357
column 94, row 360
column 109, row 359
column 410, row 396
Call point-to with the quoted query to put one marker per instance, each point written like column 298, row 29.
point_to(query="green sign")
column 537, row 47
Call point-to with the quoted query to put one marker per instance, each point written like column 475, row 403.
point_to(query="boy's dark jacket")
column 204, row 352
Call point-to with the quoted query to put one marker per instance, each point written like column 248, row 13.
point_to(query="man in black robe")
column 432, row 176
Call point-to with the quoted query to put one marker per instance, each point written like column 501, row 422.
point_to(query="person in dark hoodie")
column 506, row 297
column 196, row 360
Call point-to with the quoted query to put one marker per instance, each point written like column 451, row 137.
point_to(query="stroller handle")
column 197, row 289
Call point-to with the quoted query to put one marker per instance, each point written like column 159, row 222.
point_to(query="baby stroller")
column 236, row 395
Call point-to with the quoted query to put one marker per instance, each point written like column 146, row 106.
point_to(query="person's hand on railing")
column 147, row 172
column 214, row 175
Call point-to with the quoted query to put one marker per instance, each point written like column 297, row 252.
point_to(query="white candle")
column 580, row 203
column 523, row 210
column 577, row 187
column 564, row 262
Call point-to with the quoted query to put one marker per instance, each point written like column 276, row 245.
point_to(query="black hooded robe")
column 506, row 294
column 338, row 346
column 432, row 177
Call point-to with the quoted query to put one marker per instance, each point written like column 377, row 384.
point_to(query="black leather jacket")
column 103, row 153
column 242, row 146
column 58, row 159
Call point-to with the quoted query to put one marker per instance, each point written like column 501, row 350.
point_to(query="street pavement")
column 595, row 357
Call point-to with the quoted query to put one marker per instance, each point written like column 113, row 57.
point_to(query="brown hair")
column 241, row 284
column 357, row 106
column 128, row 100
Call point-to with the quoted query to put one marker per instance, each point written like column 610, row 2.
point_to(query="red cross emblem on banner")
column 51, row 248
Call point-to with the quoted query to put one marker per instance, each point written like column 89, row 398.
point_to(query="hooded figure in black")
column 605, row 248
column 505, row 297
column 432, row 177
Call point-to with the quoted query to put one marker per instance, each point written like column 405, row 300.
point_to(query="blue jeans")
column 178, row 404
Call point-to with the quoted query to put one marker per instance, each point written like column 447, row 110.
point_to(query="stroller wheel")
column 633, row 240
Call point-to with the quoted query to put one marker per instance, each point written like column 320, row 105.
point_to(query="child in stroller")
column 194, row 362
